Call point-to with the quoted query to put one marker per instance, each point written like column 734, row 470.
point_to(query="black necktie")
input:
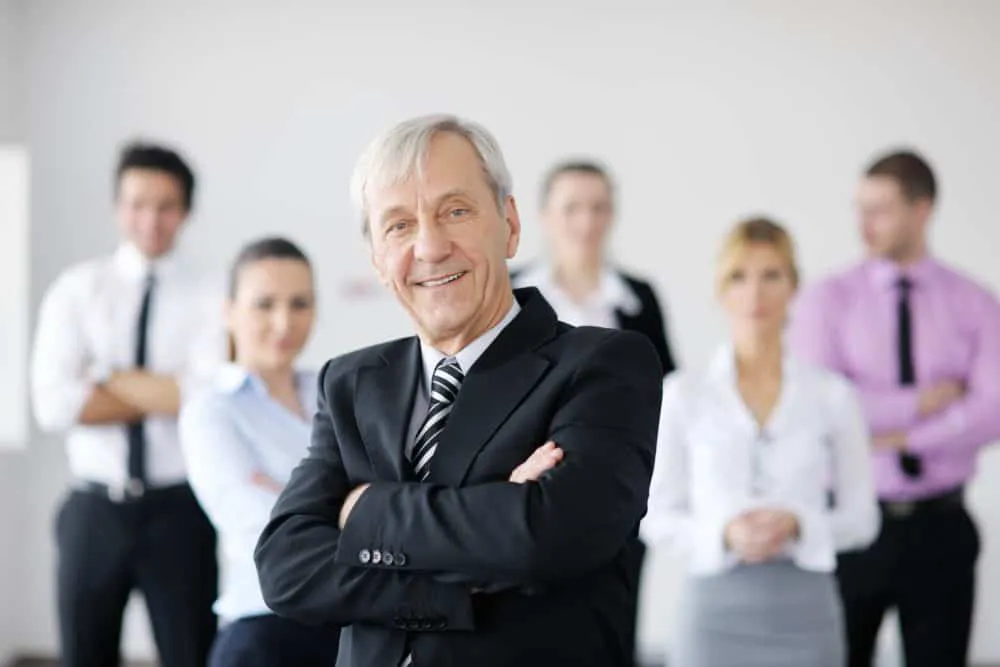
column 136, row 430
column 910, row 464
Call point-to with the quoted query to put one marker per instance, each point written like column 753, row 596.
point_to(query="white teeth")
column 442, row 281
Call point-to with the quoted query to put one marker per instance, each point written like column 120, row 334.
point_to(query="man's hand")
column 938, row 397
column 265, row 482
column 349, row 502
column 760, row 535
column 541, row 460
column 149, row 392
column 890, row 442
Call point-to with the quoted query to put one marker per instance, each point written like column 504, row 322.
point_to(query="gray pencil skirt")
column 768, row 615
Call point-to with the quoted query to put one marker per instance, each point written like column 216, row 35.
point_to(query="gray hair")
column 401, row 152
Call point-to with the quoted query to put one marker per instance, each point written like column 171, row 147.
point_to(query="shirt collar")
column 885, row 273
column 132, row 263
column 231, row 378
column 723, row 365
column 612, row 291
column 469, row 354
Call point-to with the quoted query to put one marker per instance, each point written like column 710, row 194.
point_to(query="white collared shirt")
column 228, row 434
column 597, row 310
column 87, row 328
column 713, row 463
column 468, row 356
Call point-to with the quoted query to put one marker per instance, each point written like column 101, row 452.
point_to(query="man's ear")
column 512, row 221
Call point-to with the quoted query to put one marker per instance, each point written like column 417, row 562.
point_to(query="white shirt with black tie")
column 87, row 329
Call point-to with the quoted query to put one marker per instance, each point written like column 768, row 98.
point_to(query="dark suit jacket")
column 649, row 321
column 565, row 543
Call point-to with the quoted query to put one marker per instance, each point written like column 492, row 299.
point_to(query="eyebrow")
column 400, row 209
column 391, row 213
column 457, row 192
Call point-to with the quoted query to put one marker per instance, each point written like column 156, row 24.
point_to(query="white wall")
column 10, row 464
column 706, row 111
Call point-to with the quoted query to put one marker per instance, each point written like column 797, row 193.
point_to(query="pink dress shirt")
column 848, row 324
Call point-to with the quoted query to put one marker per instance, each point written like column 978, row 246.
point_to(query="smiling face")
column 440, row 242
column 150, row 209
column 271, row 313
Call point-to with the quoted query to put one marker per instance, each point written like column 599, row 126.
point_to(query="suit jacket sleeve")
column 301, row 579
column 576, row 518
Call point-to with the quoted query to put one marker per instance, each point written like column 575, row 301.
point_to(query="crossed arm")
column 568, row 522
column 956, row 413
column 66, row 390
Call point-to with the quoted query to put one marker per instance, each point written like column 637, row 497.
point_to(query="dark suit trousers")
column 164, row 546
column 924, row 565
column 273, row 641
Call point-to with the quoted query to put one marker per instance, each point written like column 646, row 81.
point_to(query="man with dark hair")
column 119, row 340
column 921, row 342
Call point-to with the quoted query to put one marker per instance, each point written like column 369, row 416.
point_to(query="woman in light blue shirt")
column 242, row 438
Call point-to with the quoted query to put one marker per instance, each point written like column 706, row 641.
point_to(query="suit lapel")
column 495, row 386
column 384, row 403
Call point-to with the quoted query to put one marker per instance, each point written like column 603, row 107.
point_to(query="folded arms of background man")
column 953, row 413
column 70, row 382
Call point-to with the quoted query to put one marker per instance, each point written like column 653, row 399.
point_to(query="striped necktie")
column 445, row 383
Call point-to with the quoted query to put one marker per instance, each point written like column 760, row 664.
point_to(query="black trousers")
column 273, row 641
column 924, row 566
column 162, row 545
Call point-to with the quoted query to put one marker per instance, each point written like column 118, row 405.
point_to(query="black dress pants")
column 924, row 565
column 162, row 545
column 272, row 641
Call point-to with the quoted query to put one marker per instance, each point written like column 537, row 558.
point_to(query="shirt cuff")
column 807, row 548
column 710, row 552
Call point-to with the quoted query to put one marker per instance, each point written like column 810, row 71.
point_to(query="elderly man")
column 472, row 494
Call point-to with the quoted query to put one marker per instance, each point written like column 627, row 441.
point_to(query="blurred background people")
column 921, row 342
column 241, row 440
column 577, row 278
column 120, row 339
column 747, row 452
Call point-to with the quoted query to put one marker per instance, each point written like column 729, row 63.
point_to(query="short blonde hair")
column 751, row 232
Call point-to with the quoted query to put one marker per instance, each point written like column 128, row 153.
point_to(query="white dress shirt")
column 430, row 357
column 714, row 462
column 228, row 434
column 87, row 328
column 596, row 310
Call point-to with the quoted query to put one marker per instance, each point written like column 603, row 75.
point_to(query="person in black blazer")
column 472, row 494
column 577, row 209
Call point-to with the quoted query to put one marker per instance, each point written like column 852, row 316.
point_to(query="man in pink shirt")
column 921, row 343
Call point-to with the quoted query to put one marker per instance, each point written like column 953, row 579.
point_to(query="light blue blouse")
column 228, row 434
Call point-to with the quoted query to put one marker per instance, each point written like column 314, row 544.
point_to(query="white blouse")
column 714, row 462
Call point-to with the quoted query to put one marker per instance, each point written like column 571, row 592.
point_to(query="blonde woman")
column 762, row 475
